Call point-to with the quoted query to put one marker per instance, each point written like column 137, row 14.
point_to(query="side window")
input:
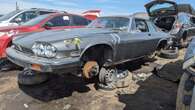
column 141, row 25
column 193, row 20
column 30, row 15
column 59, row 21
column 80, row 21
column 44, row 12
column 151, row 26
column 23, row 17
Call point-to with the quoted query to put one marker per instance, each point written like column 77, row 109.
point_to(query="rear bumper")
column 46, row 65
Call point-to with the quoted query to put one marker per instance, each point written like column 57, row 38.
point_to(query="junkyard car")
column 186, row 90
column 19, row 17
column 176, row 19
column 106, row 41
column 53, row 21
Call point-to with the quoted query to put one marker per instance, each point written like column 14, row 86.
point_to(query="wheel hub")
column 91, row 69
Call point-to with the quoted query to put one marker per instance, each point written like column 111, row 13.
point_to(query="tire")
column 30, row 77
column 182, row 93
column 170, row 54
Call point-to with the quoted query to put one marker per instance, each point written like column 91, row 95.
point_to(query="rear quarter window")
column 80, row 21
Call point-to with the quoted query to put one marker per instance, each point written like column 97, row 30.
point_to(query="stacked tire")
column 169, row 53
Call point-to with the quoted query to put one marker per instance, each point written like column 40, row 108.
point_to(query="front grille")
column 23, row 49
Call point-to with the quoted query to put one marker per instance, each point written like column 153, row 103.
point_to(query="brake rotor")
column 107, row 75
column 90, row 69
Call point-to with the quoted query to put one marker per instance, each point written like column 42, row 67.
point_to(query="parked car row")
column 41, row 44
column 48, row 41
column 53, row 21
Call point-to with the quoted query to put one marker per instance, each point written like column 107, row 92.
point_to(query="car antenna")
column 17, row 7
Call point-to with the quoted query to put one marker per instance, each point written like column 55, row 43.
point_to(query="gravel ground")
column 152, row 89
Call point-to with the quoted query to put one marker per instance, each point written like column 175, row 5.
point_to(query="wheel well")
column 162, row 44
column 99, row 53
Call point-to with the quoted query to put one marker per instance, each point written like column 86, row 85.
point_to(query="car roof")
column 63, row 14
column 140, row 15
column 43, row 9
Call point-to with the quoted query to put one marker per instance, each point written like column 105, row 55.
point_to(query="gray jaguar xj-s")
column 107, row 41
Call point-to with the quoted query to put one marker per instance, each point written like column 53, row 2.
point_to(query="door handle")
column 149, row 34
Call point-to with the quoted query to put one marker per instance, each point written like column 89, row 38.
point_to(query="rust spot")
column 88, row 68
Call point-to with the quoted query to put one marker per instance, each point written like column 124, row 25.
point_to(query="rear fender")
column 161, row 42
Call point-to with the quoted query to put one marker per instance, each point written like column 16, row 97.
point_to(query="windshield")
column 36, row 20
column 110, row 22
column 9, row 15
column 162, row 8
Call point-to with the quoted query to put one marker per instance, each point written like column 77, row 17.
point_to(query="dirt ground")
column 152, row 89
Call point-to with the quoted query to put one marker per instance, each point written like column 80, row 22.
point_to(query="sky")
column 107, row 7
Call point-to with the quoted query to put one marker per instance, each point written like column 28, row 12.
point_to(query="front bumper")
column 45, row 65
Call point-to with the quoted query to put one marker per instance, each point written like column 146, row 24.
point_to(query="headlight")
column 44, row 50
column 10, row 33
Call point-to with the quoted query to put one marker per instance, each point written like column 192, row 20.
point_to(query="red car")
column 54, row 21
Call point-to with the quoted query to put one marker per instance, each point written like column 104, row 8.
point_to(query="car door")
column 154, row 38
column 134, row 44
column 158, row 8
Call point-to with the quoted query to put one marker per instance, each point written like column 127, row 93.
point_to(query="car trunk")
column 165, row 22
column 163, row 13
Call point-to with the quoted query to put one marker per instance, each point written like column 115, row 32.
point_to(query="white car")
column 18, row 17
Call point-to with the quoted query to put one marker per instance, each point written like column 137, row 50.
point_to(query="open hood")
column 161, row 8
